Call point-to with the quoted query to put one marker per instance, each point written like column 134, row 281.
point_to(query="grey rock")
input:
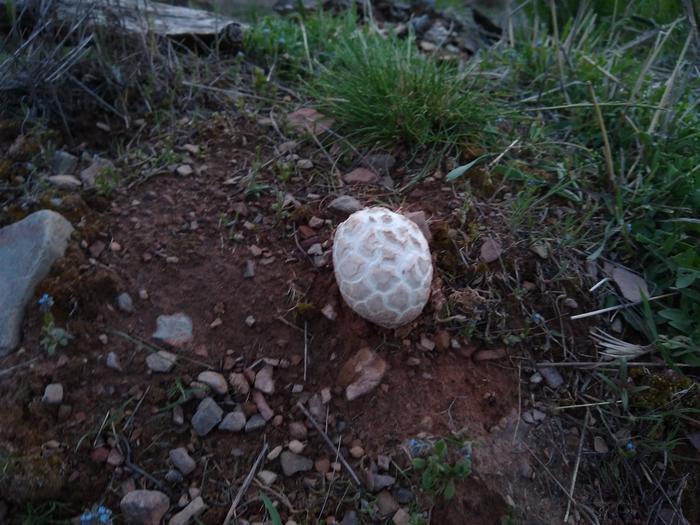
column 264, row 381
column 125, row 303
column 176, row 329
column 189, row 513
column 239, row 383
column 64, row 182
column 162, row 361
column 63, row 162
column 344, row 205
column 233, row 422
column 298, row 430
column 256, row 422
column 208, row 415
column 144, row 507
column 267, row 477
column 112, row 361
column 379, row 482
column 293, row 463
column 53, row 394
column 28, row 249
column 182, row 460
column 215, row 381
column 551, row 376
column 173, row 476
column 178, row 415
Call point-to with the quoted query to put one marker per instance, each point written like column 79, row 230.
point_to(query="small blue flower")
column 46, row 301
column 630, row 446
column 537, row 318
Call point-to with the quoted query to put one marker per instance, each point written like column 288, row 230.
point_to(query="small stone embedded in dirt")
column 233, row 422
column 533, row 416
column 28, row 249
column 401, row 517
column 293, row 463
column 184, row 170
column 208, row 415
column 570, row 303
column 182, row 461
column 322, row 465
column 189, row 513
column 99, row 455
column 296, row 446
column 631, row 285
column 490, row 250
column 376, row 482
column 125, row 303
column 329, row 312
column 361, row 373
column 64, row 182
column 551, row 376
column 112, row 361
column 297, row 430
column 275, row 453
column 144, row 507
column 250, row 321
column 176, row 329
column 490, row 355
column 386, row 504
column 239, row 383
column 442, row 340
column 256, row 422
column 326, row 395
column 426, row 344
column 265, row 411
column 315, row 249
column 600, row 446
column 174, row 476
column 360, row 176
column 305, row 164
column 344, row 205
column 178, row 415
column 63, row 163
column 315, row 222
column 357, row 452
column 288, row 147
column 115, row 458
column 215, row 381
column 249, row 270
column 264, row 381
column 53, row 394
column 541, row 249
column 267, row 477
column 161, row 362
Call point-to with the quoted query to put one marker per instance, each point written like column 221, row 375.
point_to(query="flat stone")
column 265, row 411
column 401, row 517
column 386, row 504
column 360, row 176
column 189, row 513
column 65, row 182
column 256, row 422
column 490, row 250
column 293, row 463
column 63, row 163
column 551, row 376
column 298, row 430
column 361, row 373
column 275, row 453
column 53, row 394
column 182, row 460
column 176, row 329
column 267, row 477
column 491, row 354
column 144, row 507
column 208, row 415
column 344, row 205
column 112, row 361
column 239, row 383
column 233, row 422
column 125, row 303
column 28, row 249
column 296, row 446
column 161, row 361
column 264, row 381
column 214, row 380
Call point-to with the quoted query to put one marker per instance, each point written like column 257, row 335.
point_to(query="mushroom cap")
column 383, row 267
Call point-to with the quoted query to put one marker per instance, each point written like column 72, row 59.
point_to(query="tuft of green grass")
column 381, row 90
column 439, row 474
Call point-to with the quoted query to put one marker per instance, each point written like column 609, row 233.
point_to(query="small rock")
column 401, row 517
column 361, row 373
column 115, row 458
column 309, row 120
column 103, row 339
column 189, row 513
column 173, row 476
column 525, row 470
column 490, row 250
column 360, row 176
column 326, row 395
column 239, row 383
column 214, row 380
column 115, row 247
column 315, row 249
column 99, row 455
column 315, row 222
column 305, row 164
column 53, row 394
column 357, row 452
column 329, row 312
column 125, row 303
column 288, row 147
column 161, row 362
column 536, row 378
column 632, row 286
column 296, row 446
column 265, row 411
column 256, row 422
column 144, row 507
column 208, row 415
column 551, row 376
column 267, row 477
column 293, row 463
column 297, row 430
column 426, row 344
column 182, row 461
column 275, row 453
column 191, row 148
column 379, row 482
column 600, row 446
column 264, row 381
column 322, row 465
column 344, row 205
column 63, row 163
column 442, row 340
column 233, row 422
column 541, row 249
column 250, row 321
column 178, row 415
column 533, row 416
column 184, row 170
column 176, row 329
column 112, row 361
column 570, row 303
column 386, row 504
column 249, row 271
column 404, row 496
column 65, row 182
column 490, row 355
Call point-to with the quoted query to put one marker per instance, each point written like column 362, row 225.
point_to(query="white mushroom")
column 382, row 265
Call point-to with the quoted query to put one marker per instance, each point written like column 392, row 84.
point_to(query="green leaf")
column 686, row 277
column 461, row 170
column 419, row 463
column 271, row 510
column 441, row 449
column 449, row 491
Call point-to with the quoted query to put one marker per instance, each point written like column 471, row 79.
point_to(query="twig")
column 330, row 444
column 153, row 348
column 578, row 462
column 306, row 349
column 8, row 371
column 246, row 484
column 619, row 307
column 558, row 51
column 607, row 151
column 290, row 325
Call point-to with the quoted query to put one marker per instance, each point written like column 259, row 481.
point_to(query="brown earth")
column 186, row 217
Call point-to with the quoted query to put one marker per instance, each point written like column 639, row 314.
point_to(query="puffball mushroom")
column 382, row 265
